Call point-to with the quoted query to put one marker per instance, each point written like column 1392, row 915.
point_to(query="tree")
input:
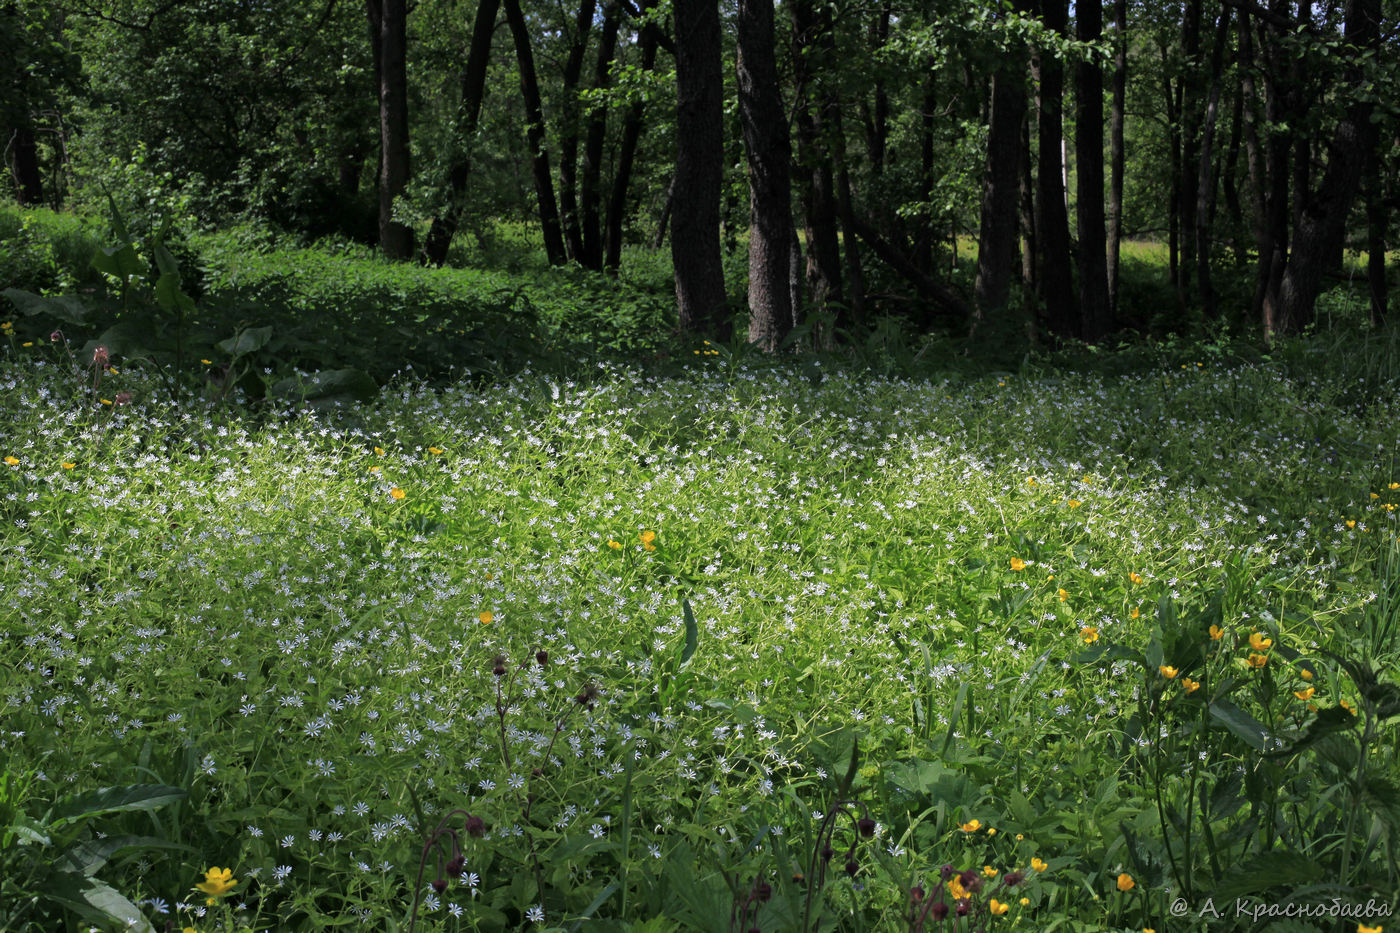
column 770, row 190
column 535, row 135
column 1089, row 205
column 1052, row 213
column 999, row 233
column 389, row 29
column 695, row 249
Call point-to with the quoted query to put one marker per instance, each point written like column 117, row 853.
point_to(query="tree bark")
column 1056, row 284
column 1377, row 219
column 1088, row 160
column 591, row 192
column 770, row 188
column 1205, row 179
column 29, row 182
column 819, row 208
column 1116, row 152
column 389, row 22
column 569, row 131
column 1273, row 241
column 1322, row 226
column 626, row 155
column 1189, row 114
column 695, row 250
column 534, row 135
column 998, row 234
column 445, row 226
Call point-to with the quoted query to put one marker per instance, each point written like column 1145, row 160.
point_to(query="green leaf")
column 246, row 341
column 116, row 800
column 598, row 901
column 1330, row 720
column 170, row 296
column 165, row 262
column 1252, row 731
column 120, row 261
column 353, row 382
column 88, row 857
column 692, row 633
column 1280, row 868
column 96, row 901
column 67, row 308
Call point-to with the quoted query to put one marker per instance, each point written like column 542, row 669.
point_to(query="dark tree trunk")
column 1116, row 156
column 1298, row 104
column 877, row 127
column 388, row 19
column 1377, row 219
column 1088, row 161
column 923, row 239
column 1052, row 223
column 998, row 234
column 1169, row 99
column 29, row 183
column 770, row 187
column 626, row 154
column 444, row 228
column 569, row 131
column 1030, row 242
column 591, row 192
column 1273, row 240
column 1229, row 178
column 695, row 251
column 1323, row 223
column 534, row 135
column 1205, row 179
column 819, row 206
column 1189, row 113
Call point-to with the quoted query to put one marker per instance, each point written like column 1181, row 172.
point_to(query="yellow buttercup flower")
column 486, row 617
column 1216, row 633
column 989, row 871
column 991, row 830
column 1305, row 673
column 1017, row 564
column 1351, row 523
column 1025, row 901
column 1134, row 613
column 997, row 907
column 1168, row 671
column 955, row 888
column 1074, row 503
column 1063, row 593
column 1258, row 642
column 1089, row 634
column 379, row 451
column 1393, row 486
column 67, row 466
column 1189, row 685
column 397, row 493
column 1135, row 577
column 435, row 451
column 1038, row 864
column 615, row 545
column 647, row 539
column 1347, row 706
column 1257, row 661
column 12, row 461
column 217, row 882
column 1305, row 694
column 1363, row 928
column 1126, row 882
column 971, row 826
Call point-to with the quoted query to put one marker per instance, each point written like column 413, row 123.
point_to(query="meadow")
column 876, row 640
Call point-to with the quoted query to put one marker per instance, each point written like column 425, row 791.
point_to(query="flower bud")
column 542, row 658
column 454, row 867
column 852, row 868
column 100, row 357
column 475, row 826
column 827, row 853
column 866, row 827
column 916, row 894
column 763, row 891
column 938, row 911
column 439, row 885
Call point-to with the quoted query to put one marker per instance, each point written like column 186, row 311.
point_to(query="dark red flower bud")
column 866, row 827
column 916, row 894
column 763, row 891
column 439, row 885
column 946, row 872
column 827, row 853
column 475, row 827
column 938, row 911
column 454, row 867
column 852, row 868
column 100, row 356
column 542, row 657
column 1011, row 879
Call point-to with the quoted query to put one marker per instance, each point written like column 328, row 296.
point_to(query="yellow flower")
column 1351, row 523
column 1168, row 671
column 997, row 907
column 1038, row 864
column 67, row 466
column 1089, row 634
column 1362, row 928
column 1020, row 837
column 12, row 461
column 207, row 362
column 1393, row 486
column 217, row 882
column 1025, row 901
column 1135, row 577
column 1017, row 564
column 1258, row 660
column 1375, row 495
column 1126, row 882
column 189, row 930
column 379, row 451
column 971, row 826
column 1189, row 685
column 1216, row 633
column 1305, row 694
column 486, row 617
column 991, row 830
column 989, row 871
column 615, row 545
column 1030, row 480
column 1074, row 503
column 1063, row 593
column 647, row 537
column 1305, row 673
column 1258, row 642
column 397, row 493
column 435, row 451
column 1134, row 613
column 27, row 343
column 1347, row 706
column 955, row 888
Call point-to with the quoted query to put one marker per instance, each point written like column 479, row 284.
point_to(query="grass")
column 652, row 627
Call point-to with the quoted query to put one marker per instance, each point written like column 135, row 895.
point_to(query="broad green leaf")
column 246, row 341
column 96, row 901
column 166, row 263
column 353, row 382
column 116, row 800
column 692, row 633
column 1251, row 730
column 170, row 296
column 120, row 261
column 88, row 857
column 1280, row 868
column 67, row 308
column 1330, row 720
column 592, row 908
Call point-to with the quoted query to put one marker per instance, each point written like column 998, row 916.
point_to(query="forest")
column 654, row 466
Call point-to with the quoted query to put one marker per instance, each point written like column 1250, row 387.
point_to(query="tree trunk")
column 1323, row 224
column 695, row 252
column 1229, row 178
column 1056, row 284
column 591, row 192
column 569, row 130
column 1116, row 152
column 29, row 183
column 819, row 208
column 770, row 187
column 444, row 227
column 388, row 19
column 1205, row 179
column 1088, row 161
column 998, row 234
column 626, row 154
column 1189, row 113
column 534, row 135
column 1377, row 219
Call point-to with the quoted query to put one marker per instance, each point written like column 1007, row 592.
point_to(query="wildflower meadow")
column 729, row 643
